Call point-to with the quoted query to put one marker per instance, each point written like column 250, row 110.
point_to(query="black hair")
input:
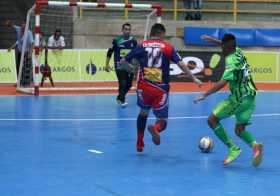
column 126, row 24
column 57, row 30
column 229, row 39
column 157, row 29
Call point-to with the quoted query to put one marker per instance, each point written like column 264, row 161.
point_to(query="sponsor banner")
column 88, row 65
column 7, row 67
column 78, row 65
column 64, row 64
column 263, row 66
column 207, row 66
column 92, row 63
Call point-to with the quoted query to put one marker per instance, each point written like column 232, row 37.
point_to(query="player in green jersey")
column 241, row 101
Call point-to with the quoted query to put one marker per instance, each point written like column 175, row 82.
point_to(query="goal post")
column 41, row 4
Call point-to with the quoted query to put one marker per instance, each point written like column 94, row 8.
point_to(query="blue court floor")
column 85, row 146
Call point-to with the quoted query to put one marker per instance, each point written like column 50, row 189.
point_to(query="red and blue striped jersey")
column 154, row 57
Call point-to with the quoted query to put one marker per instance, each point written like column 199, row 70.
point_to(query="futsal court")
column 84, row 145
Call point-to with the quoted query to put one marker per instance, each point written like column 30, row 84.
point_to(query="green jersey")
column 237, row 72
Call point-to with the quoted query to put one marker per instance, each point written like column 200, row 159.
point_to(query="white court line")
column 119, row 119
column 95, row 151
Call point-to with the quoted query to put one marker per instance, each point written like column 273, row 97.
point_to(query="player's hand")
column 108, row 68
column 200, row 98
column 131, row 68
column 198, row 82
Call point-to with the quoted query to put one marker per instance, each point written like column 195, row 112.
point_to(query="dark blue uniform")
column 121, row 47
column 154, row 57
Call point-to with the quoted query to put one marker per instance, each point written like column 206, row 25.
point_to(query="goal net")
column 79, row 65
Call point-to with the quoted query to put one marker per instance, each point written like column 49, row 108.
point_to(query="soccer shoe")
column 257, row 154
column 140, row 145
column 124, row 104
column 155, row 134
column 119, row 102
column 233, row 153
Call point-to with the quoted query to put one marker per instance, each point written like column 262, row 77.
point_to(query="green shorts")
column 242, row 110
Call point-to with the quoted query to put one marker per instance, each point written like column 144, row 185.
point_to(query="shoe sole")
column 258, row 159
column 228, row 162
column 123, row 105
column 155, row 136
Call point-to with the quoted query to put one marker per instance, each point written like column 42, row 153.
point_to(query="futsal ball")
column 206, row 144
column 91, row 69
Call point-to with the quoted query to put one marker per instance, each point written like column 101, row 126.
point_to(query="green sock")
column 247, row 137
column 222, row 135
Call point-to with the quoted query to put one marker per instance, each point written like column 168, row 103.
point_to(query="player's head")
column 126, row 29
column 57, row 33
column 158, row 30
column 228, row 44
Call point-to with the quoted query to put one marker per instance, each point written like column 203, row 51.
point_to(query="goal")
column 78, row 67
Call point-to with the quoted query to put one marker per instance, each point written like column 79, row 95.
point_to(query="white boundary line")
column 133, row 93
column 95, row 151
column 119, row 119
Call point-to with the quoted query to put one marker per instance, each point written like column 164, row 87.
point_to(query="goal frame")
column 39, row 4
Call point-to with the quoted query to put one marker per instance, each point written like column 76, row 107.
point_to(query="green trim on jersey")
column 237, row 73
column 120, row 39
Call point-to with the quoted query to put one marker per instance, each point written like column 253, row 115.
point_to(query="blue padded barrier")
column 267, row 37
column 244, row 37
column 192, row 35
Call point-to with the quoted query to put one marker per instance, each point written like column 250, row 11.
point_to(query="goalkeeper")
column 122, row 45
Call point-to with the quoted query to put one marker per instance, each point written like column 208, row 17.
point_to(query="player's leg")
column 141, row 126
column 243, row 116
column 160, row 109
column 155, row 129
column 121, row 75
column 129, row 79
column 143, row 102
column 224, row 110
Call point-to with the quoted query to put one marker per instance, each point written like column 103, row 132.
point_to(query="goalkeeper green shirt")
column 237, row 73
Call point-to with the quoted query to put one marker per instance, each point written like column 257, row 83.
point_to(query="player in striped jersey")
column 154, row 56
column 240, row 103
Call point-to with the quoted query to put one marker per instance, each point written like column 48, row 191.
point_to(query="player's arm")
column 211, row 39
column 135, row 53
column 185, row 69
column 218, row 86
column 108, row 58
column 175, row 57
